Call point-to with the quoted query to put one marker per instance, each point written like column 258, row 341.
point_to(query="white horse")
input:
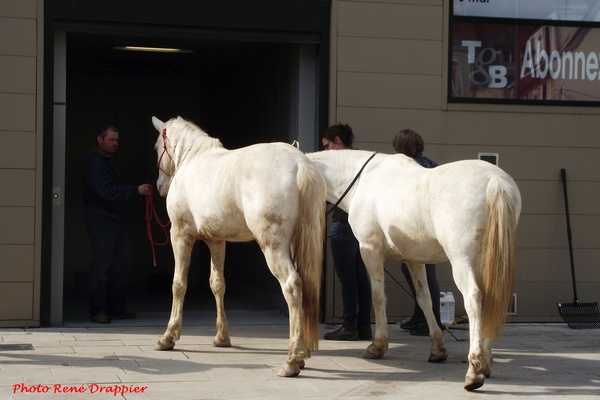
column 268, row 192
column 465, row 212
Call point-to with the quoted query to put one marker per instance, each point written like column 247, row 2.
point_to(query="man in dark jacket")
column 106, row 201
column 410, row 143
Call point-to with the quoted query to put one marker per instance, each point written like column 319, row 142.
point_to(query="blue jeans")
column 434, row 291
column 107, row 270
column 352, row 274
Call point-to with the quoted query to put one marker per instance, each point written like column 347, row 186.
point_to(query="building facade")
column 379, row 66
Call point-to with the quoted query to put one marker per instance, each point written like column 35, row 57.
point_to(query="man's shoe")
column 364, row 333
column 421, row 330
column 124, row 315
column 101, row 318
column 412, row 323
column 345, row 332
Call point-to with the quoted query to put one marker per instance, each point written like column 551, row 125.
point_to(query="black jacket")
column 103, row 190
column 424, row 161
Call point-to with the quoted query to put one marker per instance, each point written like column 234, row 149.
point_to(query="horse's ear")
column 158, row 124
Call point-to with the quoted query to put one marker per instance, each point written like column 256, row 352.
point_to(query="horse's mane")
column 187, row 139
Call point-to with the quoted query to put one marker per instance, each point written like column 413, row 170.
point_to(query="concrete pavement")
column 547, row 361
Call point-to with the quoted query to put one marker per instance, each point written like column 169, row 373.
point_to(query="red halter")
column 165, row 151
column 151, row 211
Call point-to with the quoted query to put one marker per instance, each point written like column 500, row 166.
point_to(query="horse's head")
column 177, row 139
column 165, row 163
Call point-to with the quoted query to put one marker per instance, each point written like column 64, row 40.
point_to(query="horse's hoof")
column 301, row 364
column 436, row 358
column 289, row 370
column 476, row 383
column 373, row 353
column 160, row 345
column 222, row 342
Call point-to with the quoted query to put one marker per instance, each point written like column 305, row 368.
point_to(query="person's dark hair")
column 343, row 131
column 103, row 130
column 408, row 142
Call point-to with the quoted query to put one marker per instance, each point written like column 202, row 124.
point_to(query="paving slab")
column 547, row 361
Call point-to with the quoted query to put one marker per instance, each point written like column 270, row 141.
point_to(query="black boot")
column 420, row 330
column 423, row 329
column 413, row 323
column 345, row 332
column 365, row 333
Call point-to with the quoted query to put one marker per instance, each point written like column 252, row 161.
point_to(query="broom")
column 577, row 315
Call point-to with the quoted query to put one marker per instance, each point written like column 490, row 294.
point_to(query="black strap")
column 351, row 184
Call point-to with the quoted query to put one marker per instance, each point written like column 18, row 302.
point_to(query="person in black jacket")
column 410, row 143
column 106, row 201
column 348, row 264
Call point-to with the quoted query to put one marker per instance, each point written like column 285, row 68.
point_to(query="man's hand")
column 145, row 189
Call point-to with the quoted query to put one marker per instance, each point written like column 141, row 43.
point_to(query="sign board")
column 558, row 10
column 525, row 62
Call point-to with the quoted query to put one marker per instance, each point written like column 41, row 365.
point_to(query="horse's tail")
column 307, row 248
column 497, row 255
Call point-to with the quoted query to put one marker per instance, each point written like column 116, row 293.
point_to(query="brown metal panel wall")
column 19, row 221
column 391, row 74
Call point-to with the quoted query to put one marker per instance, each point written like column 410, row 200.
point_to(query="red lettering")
column 58, row 388
column 114, row 389
column 23, row 388
column 140, row 389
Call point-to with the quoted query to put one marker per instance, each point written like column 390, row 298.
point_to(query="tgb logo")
column 485, row 73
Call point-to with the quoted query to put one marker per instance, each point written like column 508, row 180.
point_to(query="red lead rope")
column 151, row 212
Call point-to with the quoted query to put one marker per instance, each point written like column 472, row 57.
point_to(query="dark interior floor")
column 255, row 306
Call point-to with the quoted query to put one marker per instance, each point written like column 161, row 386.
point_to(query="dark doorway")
column 239, row 92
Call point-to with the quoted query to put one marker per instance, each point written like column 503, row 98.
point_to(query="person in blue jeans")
column 410, row 143
column 348, row 264
column 106, row 200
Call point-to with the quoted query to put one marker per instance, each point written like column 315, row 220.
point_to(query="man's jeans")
column 107, row 270
column 352, row 273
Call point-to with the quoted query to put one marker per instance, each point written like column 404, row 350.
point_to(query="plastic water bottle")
column 447, row 308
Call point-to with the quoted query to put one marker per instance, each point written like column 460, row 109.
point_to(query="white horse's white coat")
column 268, row 192
column 465, row 212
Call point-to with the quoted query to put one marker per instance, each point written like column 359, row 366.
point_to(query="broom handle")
column 563, row 174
